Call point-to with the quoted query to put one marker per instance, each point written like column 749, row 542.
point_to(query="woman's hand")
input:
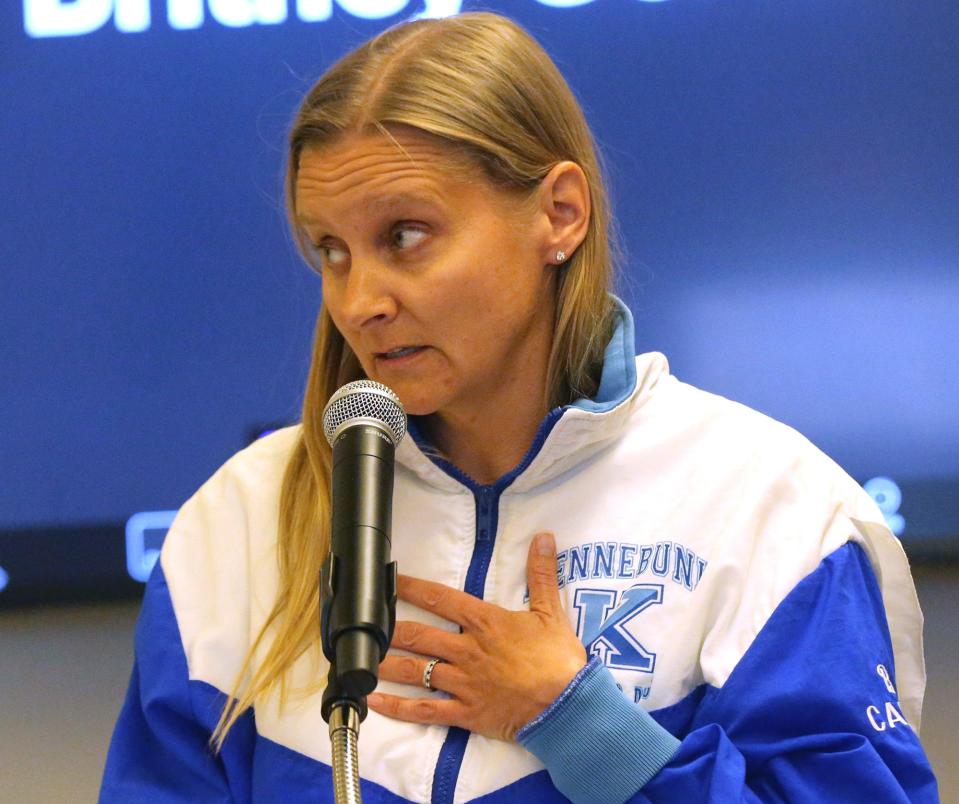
column 502, row 670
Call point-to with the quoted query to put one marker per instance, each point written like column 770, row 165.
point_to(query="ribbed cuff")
column 596, row 744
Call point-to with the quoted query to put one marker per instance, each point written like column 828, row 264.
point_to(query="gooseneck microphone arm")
column 364, row 421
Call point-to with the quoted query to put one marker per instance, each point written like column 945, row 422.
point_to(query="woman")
column 617, row 587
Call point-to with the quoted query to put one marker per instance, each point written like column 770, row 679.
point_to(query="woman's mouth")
column 399, row 353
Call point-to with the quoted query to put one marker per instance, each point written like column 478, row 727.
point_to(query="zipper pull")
column 483, row 514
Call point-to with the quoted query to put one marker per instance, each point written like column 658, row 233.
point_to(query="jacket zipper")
column 454, row 746
column 487, row 515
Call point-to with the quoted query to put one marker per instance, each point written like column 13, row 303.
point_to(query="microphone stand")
column 344, row 718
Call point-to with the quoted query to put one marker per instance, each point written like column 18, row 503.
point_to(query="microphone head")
column 364, row 402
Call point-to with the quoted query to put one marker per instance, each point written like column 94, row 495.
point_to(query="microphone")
column 364, row 421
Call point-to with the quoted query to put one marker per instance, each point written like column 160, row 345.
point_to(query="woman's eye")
column 330, row 254
column 407, row 236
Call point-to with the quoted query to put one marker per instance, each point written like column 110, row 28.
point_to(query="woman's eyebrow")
column 390, row 200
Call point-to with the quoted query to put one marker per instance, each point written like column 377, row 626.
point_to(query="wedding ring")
column 428, row 672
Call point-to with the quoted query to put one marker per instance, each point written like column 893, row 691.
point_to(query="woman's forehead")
column 378, row 169
column 368, row 180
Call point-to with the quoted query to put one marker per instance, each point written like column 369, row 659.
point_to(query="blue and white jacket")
column 754, row 628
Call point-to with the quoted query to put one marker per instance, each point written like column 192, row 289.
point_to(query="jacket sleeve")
column 809, row 713
column 159, row 751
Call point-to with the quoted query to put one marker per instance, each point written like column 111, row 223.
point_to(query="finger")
column 428, row 641
column 410, row 670
column 450, row 604
column 541, row 575
column 429, row 711
column 404, row 670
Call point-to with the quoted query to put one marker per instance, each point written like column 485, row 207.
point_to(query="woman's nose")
column 369, row 295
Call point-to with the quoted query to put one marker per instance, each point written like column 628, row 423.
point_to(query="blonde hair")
column 480, row 83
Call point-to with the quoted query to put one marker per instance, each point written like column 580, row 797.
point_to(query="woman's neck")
column 486, row 447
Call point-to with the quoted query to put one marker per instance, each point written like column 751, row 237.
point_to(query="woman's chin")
column 419, row 398
column 417, row 407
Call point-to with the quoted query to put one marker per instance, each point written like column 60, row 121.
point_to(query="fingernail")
column 374, row 699
column 545, row 546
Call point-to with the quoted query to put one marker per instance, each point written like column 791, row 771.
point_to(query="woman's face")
column 439, row 281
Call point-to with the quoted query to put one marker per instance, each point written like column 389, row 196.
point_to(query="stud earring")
column 560, row 256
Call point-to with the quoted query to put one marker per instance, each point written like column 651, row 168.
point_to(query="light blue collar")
column 618, row 379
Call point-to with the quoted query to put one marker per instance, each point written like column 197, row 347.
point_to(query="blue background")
column 785, row 174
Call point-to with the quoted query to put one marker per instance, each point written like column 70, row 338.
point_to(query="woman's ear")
column 564, row 199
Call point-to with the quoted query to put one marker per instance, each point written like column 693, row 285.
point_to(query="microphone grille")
column 364, row 400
